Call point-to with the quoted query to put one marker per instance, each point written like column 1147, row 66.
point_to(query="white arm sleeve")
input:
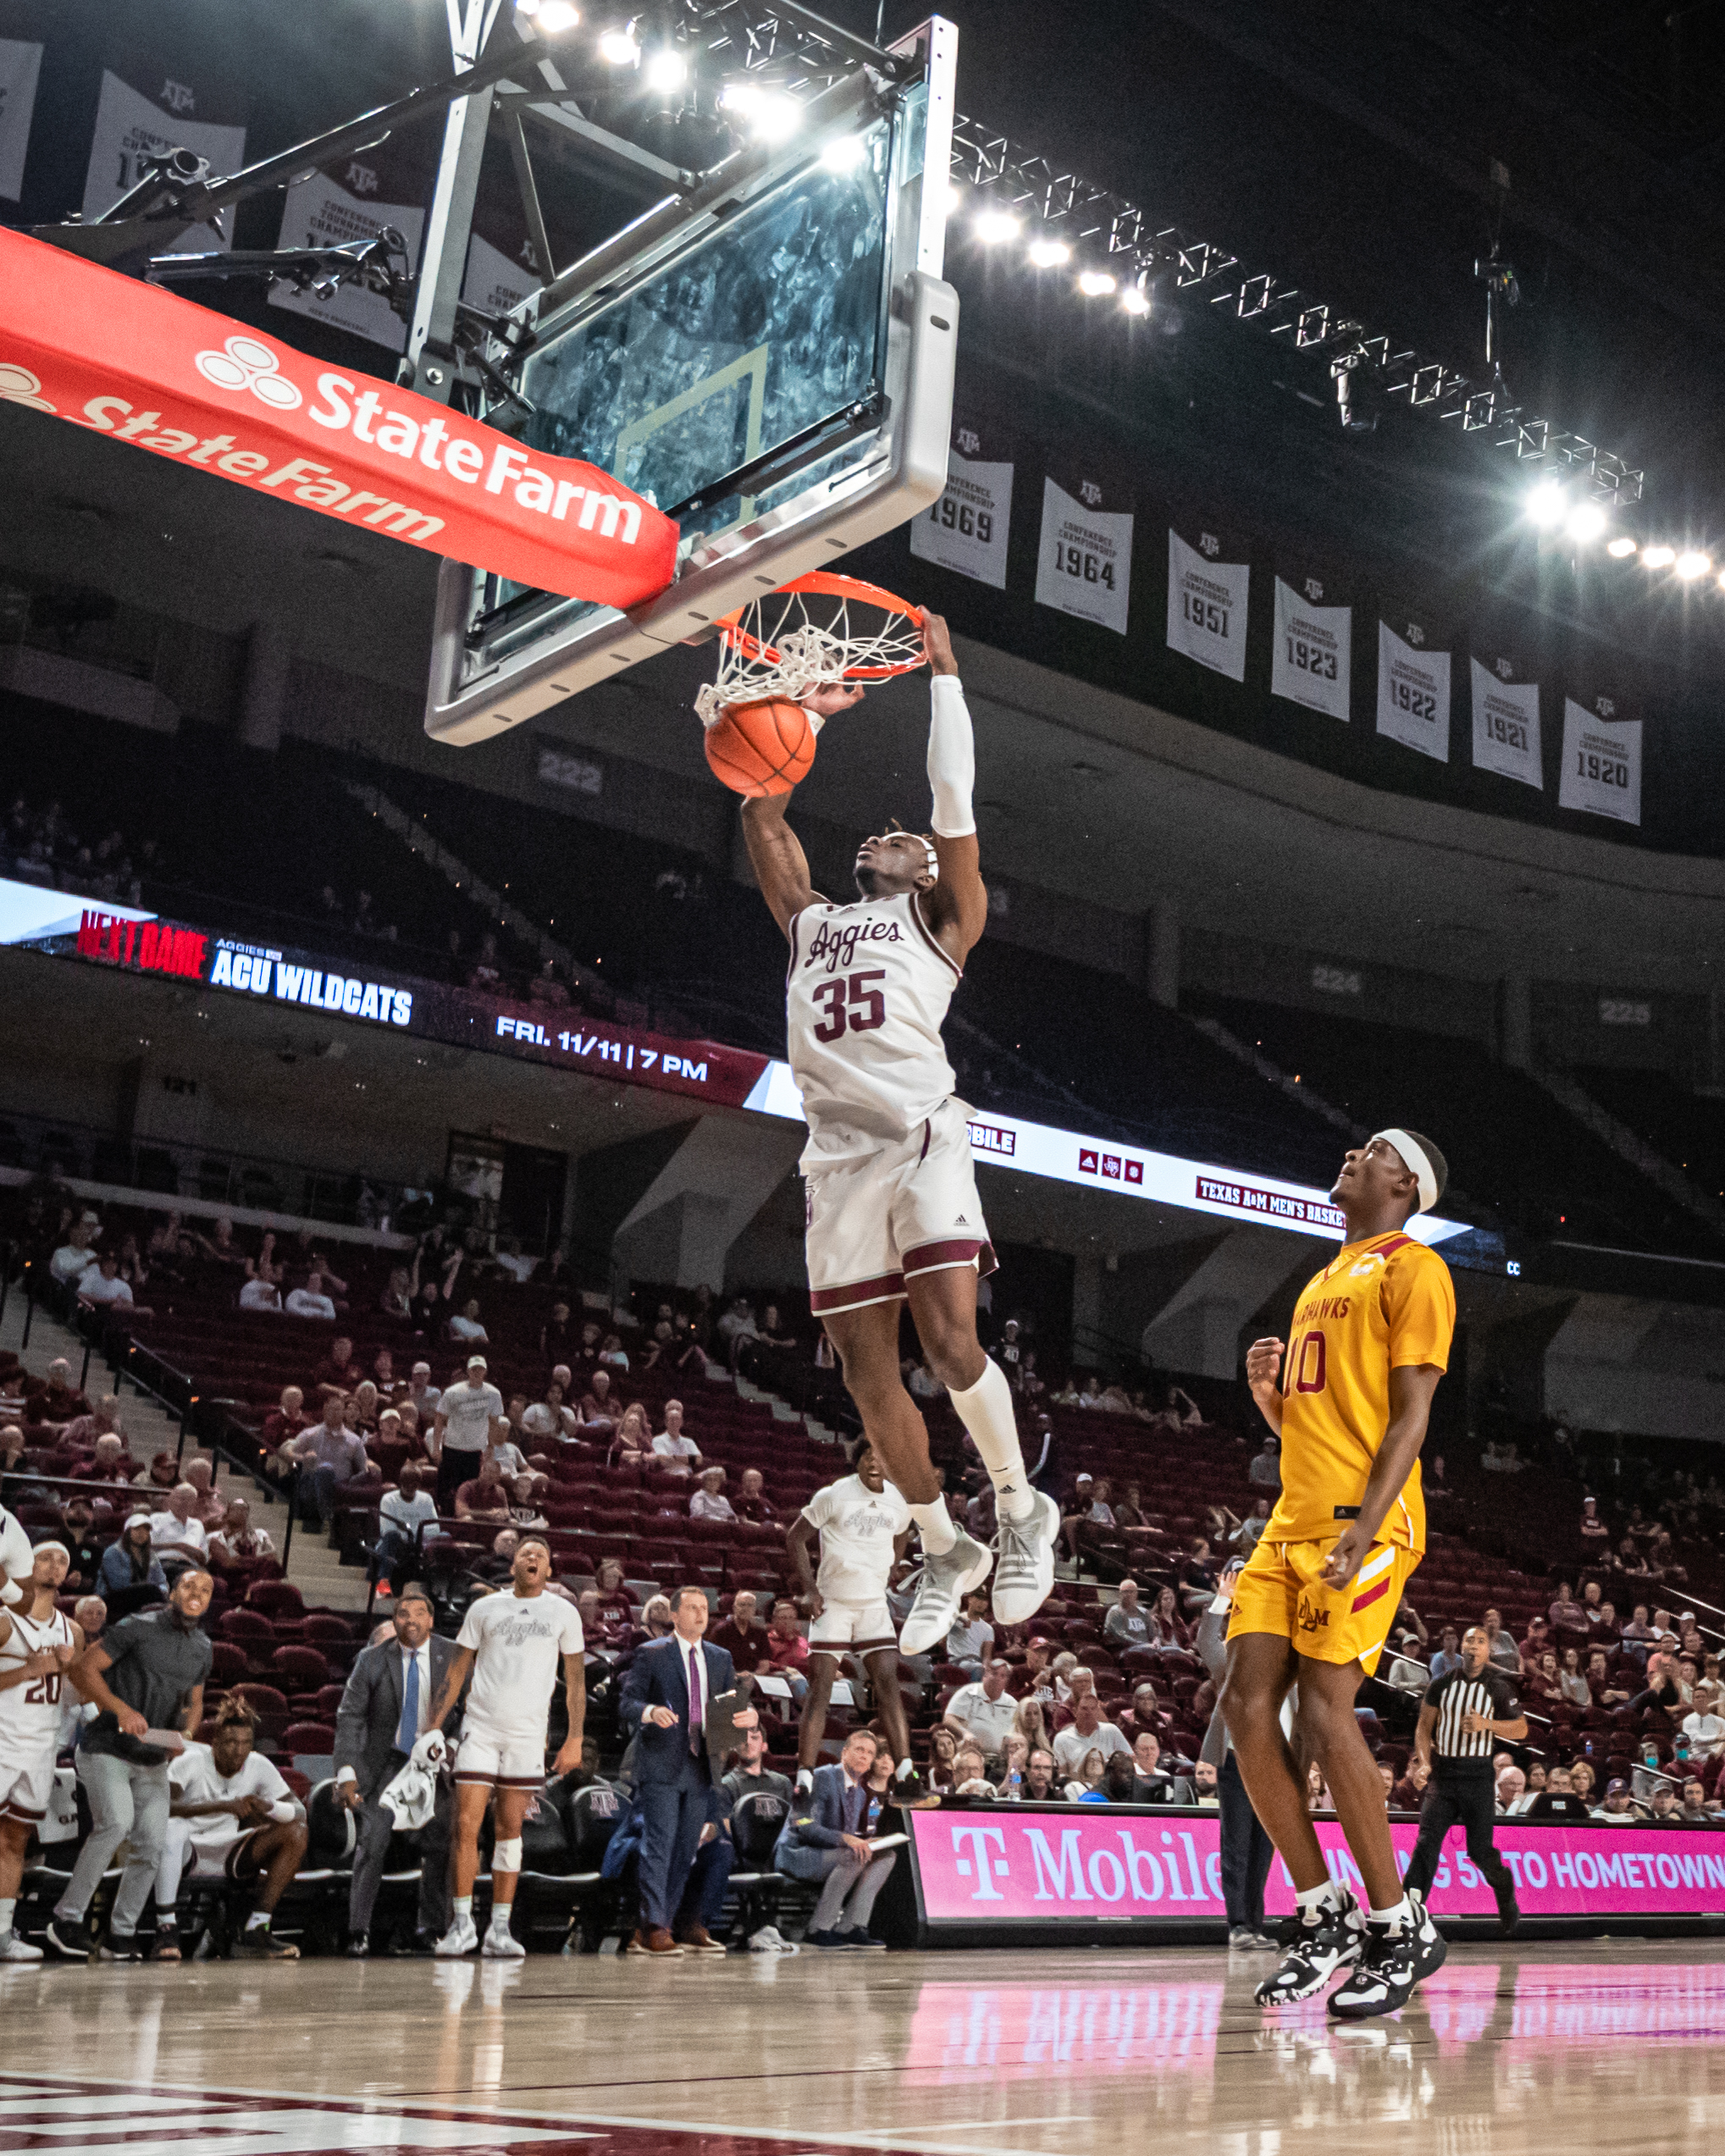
column 952, row 758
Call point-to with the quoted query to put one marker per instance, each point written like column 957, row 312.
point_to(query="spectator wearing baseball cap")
column 467, row 1412
column 1619, row 1808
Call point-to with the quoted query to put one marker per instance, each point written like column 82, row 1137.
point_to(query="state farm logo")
column 18, row 386
column 1112, row 1167
column 243, row 363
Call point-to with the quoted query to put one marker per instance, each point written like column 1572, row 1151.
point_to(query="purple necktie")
column 695, row 1700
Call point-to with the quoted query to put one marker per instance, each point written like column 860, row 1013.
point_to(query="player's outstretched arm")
column 781, row 866
column 957, row 908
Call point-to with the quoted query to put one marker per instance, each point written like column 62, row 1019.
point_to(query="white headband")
column 1416, row 1161
column 927, row 847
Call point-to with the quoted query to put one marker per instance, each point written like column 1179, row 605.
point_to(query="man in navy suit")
column 826, row 1837
column 671, row 1684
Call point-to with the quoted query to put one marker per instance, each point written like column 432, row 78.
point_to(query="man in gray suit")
column 384, row 1712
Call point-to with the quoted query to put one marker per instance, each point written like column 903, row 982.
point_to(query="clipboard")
column 719, row 1727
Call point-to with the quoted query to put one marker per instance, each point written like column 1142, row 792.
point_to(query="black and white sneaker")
column 1319, row 1951
column 1430, row 1948
column 1384, row 1980
column 71, row 1939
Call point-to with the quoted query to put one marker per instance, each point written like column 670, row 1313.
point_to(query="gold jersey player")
column 892, row 1209
column 1350, row 1394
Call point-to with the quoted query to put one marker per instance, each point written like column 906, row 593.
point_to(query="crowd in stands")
column 39, row 844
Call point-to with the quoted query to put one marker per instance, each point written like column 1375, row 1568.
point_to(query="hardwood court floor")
column 1606, row 2044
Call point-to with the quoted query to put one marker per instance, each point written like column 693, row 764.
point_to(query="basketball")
column 763, row 747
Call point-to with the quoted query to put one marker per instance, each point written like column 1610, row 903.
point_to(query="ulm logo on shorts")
column 1312, row 1619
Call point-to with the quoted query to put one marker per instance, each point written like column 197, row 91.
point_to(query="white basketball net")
column 789, row 644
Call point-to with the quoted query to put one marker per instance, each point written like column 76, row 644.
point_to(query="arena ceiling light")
column 666, row 69
column 1096, row 283
column 1658, row 558
column 551, row 16
column 843, row 153
column 1049, row 254
column 1546, row 505
column 772, row 115
column 1622, row 547
column 1586, row 521
column 619, row 47
column 993, row 226
column 1134, row 300
column 1692, row 563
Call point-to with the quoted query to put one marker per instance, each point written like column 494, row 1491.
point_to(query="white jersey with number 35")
column 867, row 993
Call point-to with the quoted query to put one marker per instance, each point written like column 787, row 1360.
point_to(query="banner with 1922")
column 1084, row 563
column 1413, row 692
column 1207, row 603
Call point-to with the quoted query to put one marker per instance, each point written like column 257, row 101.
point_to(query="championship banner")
column 1413, row 690
column 967, row 529
column 1506, row 723
column 1084, row 560
column 1601, row 761
column 131, row 127
column 20, row 70
column 1073, row 1866
column 143, row 366
column 1313, row 648
column 502, row 268
column 354, row 201
column 1207, row 603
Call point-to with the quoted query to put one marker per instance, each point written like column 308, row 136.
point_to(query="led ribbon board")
column 140, row 365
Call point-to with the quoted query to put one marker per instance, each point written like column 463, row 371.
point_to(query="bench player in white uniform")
column 864, row 1524
column 511, row 1643
column 37, row 1646
column 891, row 1207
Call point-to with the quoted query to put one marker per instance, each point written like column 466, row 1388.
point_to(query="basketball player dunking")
column 891, row 1207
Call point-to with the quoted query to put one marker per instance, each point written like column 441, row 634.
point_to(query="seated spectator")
column 749, row 1773
column 1167, row 1629
column 611, row 1353
column 421, row 1393
column 178, row 1536
column 1449, row 1653
column 983, row 1710
column 464, row 1327
column 236, row 1544
column 485, row 1497
column 741, row 1634
column 1197, row 1578
column 1511, row 1789
column 557, row 1337
column 1119, row 1782
column 1075, row 1512
column 943, row 1752
column 334, row 1454
column 1036, row 1680
column 825, row 1837
column 1697, row 1811
column 1605, row 1693
column 1665, row 1808
column 110, row 1463
column 13, row 1446
column 1504, row 1651
column 971, row 1643
column 1265, row 1472
column 396, row 1300
column 263, row 1295
column 53, row 1400
column 1126, row 1624
column 1084, row 1776
column 1619, row 1808
column 513, row 1261
column 1538, row 1642
column 502, row 1448
column 1409, row 1793
column 787, row 1651
column 77, row 1254
column 751, row 1501
column 1542, row 1680
column 548, row 1421
column 614, row 1598
column 1566, row 1613
column 1664, row 1687
column 1153, row 1784
column 736, row 1326
column 1572, row 1680
column 600, row 1406
column 971, row 1772
column 1147, row 1712
column 1041, row 1781
column 310, row 1301
column 1705, row 1730
column 284, row 1422
column 1593, row 1528
column 673, row 1443
column 130, row 1568
column 1596, row 1610
column 406, row 1516
column 102, row 1286
column 364, row 1408
column 1086, row 1731
column 709, row 1502
column 1638, row 1634
column 1557, row 1799
column 1032, row 1722
column 498, row 1563
column 212, row 1506
column 632, row 1443
column 656, row 1622
column 527, row 1501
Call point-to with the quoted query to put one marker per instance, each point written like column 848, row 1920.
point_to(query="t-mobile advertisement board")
column 1104, row 1864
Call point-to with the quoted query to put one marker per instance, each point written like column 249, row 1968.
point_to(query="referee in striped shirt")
column 1463, row 1718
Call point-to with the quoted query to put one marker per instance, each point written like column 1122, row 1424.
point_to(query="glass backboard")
column 775, row 375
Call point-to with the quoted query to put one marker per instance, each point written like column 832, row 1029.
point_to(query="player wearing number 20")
column 891, row 1206
column 37, row 1646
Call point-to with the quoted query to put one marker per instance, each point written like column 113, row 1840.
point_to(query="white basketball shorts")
column 910, row 1209
column 500, row 1762
column 27, row 1791
column 844, row 1626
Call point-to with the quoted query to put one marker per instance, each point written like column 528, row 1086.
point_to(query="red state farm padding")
column 144, row 366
